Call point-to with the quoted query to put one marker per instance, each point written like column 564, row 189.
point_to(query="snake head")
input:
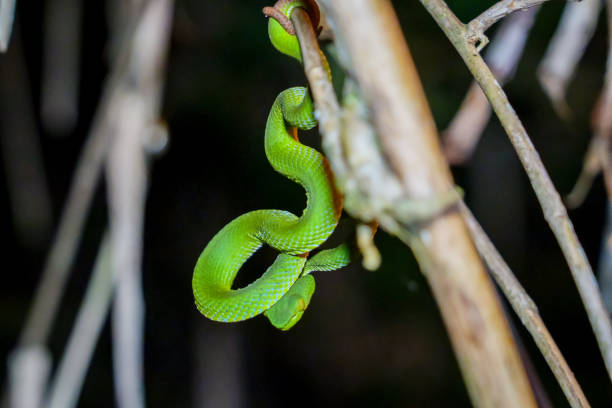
column 283, row 41
column 280, row 28
column 289, row 309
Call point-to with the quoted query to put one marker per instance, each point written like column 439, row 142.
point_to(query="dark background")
column 368, row 338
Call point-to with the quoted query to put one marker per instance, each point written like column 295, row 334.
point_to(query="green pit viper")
column 283, row 292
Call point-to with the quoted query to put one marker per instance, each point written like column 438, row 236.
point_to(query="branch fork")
column 475, row 30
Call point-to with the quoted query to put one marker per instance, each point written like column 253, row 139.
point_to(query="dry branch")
column 61, row 255
column 477, row 27
column 72, row 369
column 502, row 56
column 138, row 66
column 527, row 311
column 557, row 68
column 328, row 109
column 598, row 158
column 552, row 207
column 369, row 38
column 136, row 114
column 362, row 173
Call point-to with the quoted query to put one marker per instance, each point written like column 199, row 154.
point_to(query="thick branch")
column 369, row 38
column 364, row 163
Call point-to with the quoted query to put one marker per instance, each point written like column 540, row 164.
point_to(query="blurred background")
column 368, row 338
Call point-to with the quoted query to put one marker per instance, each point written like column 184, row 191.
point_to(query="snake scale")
column 284, row 290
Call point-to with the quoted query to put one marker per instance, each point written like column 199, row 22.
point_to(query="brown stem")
column 282, row 19
column 527, row 311
column 493, row 14
column 552, row 206
column 369, row 36
column 502, row 56
column 361, row 167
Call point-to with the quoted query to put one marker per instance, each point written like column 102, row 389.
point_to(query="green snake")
column 284, row 290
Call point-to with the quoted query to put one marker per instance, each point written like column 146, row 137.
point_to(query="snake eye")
column 298, row 309
column 287, row 312
column 294, row 318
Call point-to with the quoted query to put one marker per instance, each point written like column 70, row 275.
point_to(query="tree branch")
column 327, row 106
column 72, row 369
column 527, row 311
column 577, row 25
column 552, row 207
column 369, row 37
column 136, row 114
column 477, row 27
column 502, row 56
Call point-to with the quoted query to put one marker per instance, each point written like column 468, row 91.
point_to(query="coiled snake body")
column 284, row 290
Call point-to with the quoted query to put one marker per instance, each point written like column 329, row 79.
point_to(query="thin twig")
column 65, row 243
column 61, row 255
column 136, row 113
column 66, row 386
column 71, row 372
column 502, row 56
column 42, row 315
column 64, row 246
column 352, row 169
column 523, row 305
column 127, row 180
column 62, row 252
column 591, row 166
column 602, row 123
column 477, row 27
column 552, row 206
column 557, row 68
column 327, row 106
column 361, row 158
column 526, row 310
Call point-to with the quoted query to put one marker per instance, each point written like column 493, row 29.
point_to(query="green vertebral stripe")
column 293, row 236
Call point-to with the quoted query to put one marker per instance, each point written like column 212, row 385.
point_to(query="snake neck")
column 304, row 165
